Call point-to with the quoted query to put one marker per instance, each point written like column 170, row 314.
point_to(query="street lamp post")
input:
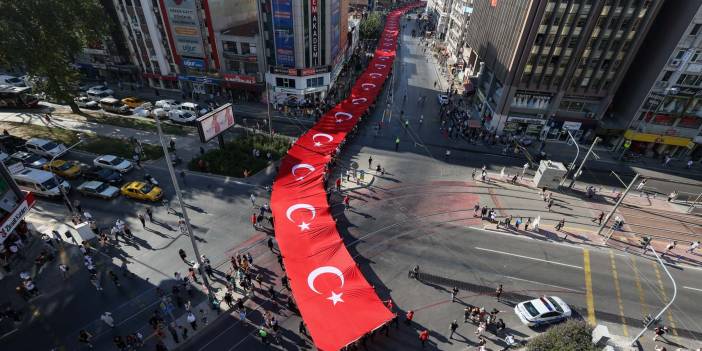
column 577, row 153
column 587, row 155
column 611, row 212
column 186, row 219
column 665, row 308
column 60, row 186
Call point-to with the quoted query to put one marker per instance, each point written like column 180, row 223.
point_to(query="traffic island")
column 242, row 157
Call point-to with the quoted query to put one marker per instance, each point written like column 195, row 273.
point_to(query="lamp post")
column 60, row 186
column 577, row 153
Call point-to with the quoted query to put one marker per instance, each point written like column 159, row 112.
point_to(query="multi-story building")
column 459, row 17
column 547, row 66
column 305, row 46
column 144, row 28
column 659, row 106
column 439, row 11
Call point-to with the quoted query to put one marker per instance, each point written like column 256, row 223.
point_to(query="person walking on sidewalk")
column 671, row 246
column 549, row 204
column 693, row 246
column 408, row 317
column 452, row 328
column 183, row 256
column 107, row 318
column 192, row 320
column 397, row 143
column 599, row 218
column 174, row 332
column 142, row 220
column 560, row 225
column 370, row 162
column 454, row 293
column 498, row 292
column 423, row 337
column 150, row 214
column 659, row 332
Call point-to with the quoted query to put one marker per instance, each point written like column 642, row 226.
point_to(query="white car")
column 98, row 189
column 14, row 81
column 100, row 89
column 443, row 99
column 180, row 116
column 86, row 102
column 194, row 108
column 113, row 162
column 166, row 104
column 45, row 147
column 544, row 310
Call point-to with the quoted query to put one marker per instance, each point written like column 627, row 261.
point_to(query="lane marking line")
column 588, row 289
column 691, row 288
column 637, row 281
column 529, row 258
column 539, row 283
column 661, row 288
column 618, row 291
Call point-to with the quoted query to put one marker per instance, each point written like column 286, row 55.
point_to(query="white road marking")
column 529, row 258
column 539, row 283
column 696, row 289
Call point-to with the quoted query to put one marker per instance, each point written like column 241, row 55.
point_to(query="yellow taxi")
column 63, row 168
column 132, row 102
column 142, row 191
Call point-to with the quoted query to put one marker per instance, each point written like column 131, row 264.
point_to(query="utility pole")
column 649, row 320
column 589, row 151
column 621, row 198
column 186, row 219
column 268, row 106
column 577, row 153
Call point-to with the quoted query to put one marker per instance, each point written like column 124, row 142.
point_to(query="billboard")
column 283, row 34
column 185, row 27
column 215, row 123
column 335, row 27
column 314, row 31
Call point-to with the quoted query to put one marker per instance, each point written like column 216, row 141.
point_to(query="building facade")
column 439, row 11
column 459, row 17
column 548, row 66
column 659, row 106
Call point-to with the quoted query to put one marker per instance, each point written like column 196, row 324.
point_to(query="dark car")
column 104, row 175
column 11, row 143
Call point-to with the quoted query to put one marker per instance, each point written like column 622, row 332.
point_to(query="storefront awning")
column 656, row 138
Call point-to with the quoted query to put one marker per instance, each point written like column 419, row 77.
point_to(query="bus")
column 17, row 97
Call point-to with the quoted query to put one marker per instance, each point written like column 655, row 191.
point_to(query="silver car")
column 98, row 189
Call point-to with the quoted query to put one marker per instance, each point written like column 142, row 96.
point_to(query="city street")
column 418, row 211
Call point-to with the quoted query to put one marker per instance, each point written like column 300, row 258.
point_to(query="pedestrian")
column 142, row 220
column 270, row 244
column 693, row 246
column 549, row 204
column 454, row 293
column 671, row 246
column 107, row 318
column 397, row 143
column 560, row 225
column 302, row 329
column 347, row 199
column 150, row 214
column 84, row 338
column 94, row 280
column 253, row 200
column 498, row 292
column 338, row 184
column 423, row 337
column 203, row 316
column 452, row 328
column 370, row 162
column 183, row 256
column 481, row 329
column 114, row 277
column 599, row 218
column 263, row 334
column 254, row 221
column 659, row 332
column 192, row 320
column 183, row 332
column 473, row 174
column 408, row 317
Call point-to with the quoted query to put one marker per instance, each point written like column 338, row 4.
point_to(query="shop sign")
column 572, row 126
column 655, row 138
column 194, row 63
column 314, row 24
column 16, row 216
column 287, row 90
column 185, row 27
column 201, row 80
column 527, row 120
column 238, row 78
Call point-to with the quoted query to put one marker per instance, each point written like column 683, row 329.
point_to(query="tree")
column 569, row 336
column 372, row 26
column 43, row 37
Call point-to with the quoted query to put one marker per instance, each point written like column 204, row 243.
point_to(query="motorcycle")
column 150, row 179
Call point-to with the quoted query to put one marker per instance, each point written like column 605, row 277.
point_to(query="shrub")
column 237, row 156
column 569, row 336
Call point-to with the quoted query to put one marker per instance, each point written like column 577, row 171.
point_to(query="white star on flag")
column 304, row 226
column 317, row 144
column 334, row 298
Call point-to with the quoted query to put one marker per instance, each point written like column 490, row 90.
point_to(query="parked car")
column 101, row 89
column 40, row 182
column 66, row 169
column 166, row 104
column 4, row 157
column 180, row 116
column 97, row 95
column 98, row 189
column 159, row 113
column 443, row 99
column 110, row 104
column 113, row 162
column 103, row 175
column 45, row 147
column 11, row 143
column 194, row 108
column 86, row 102
column 544, row 310
column 14, row 81
column 28, row 159
column 132, row 102
column 142, row 191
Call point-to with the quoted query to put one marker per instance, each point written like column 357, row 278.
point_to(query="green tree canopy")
column 44, row 36
column 372, row 26
column 572, row 335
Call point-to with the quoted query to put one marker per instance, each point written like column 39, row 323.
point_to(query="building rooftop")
column 248, row 29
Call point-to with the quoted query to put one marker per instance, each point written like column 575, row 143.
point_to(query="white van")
column 45, row 147
column 196, row 109
column 40, row 182
column 110, row 104
column 97, row 95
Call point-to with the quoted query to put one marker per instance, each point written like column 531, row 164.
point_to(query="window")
column 315, row 82
column 680, row 54
column 695, row 29
column 245, row 49
column 250, row 67
column 285, row 82
column 230, row 47
column 666, row 75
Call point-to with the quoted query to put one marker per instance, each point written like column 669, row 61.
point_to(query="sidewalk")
column 640, row 214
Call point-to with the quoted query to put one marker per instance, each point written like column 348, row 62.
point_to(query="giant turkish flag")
column 335, row 300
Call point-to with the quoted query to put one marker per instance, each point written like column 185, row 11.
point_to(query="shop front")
column 524, row 125
column 654, row 145
column 557, row 128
